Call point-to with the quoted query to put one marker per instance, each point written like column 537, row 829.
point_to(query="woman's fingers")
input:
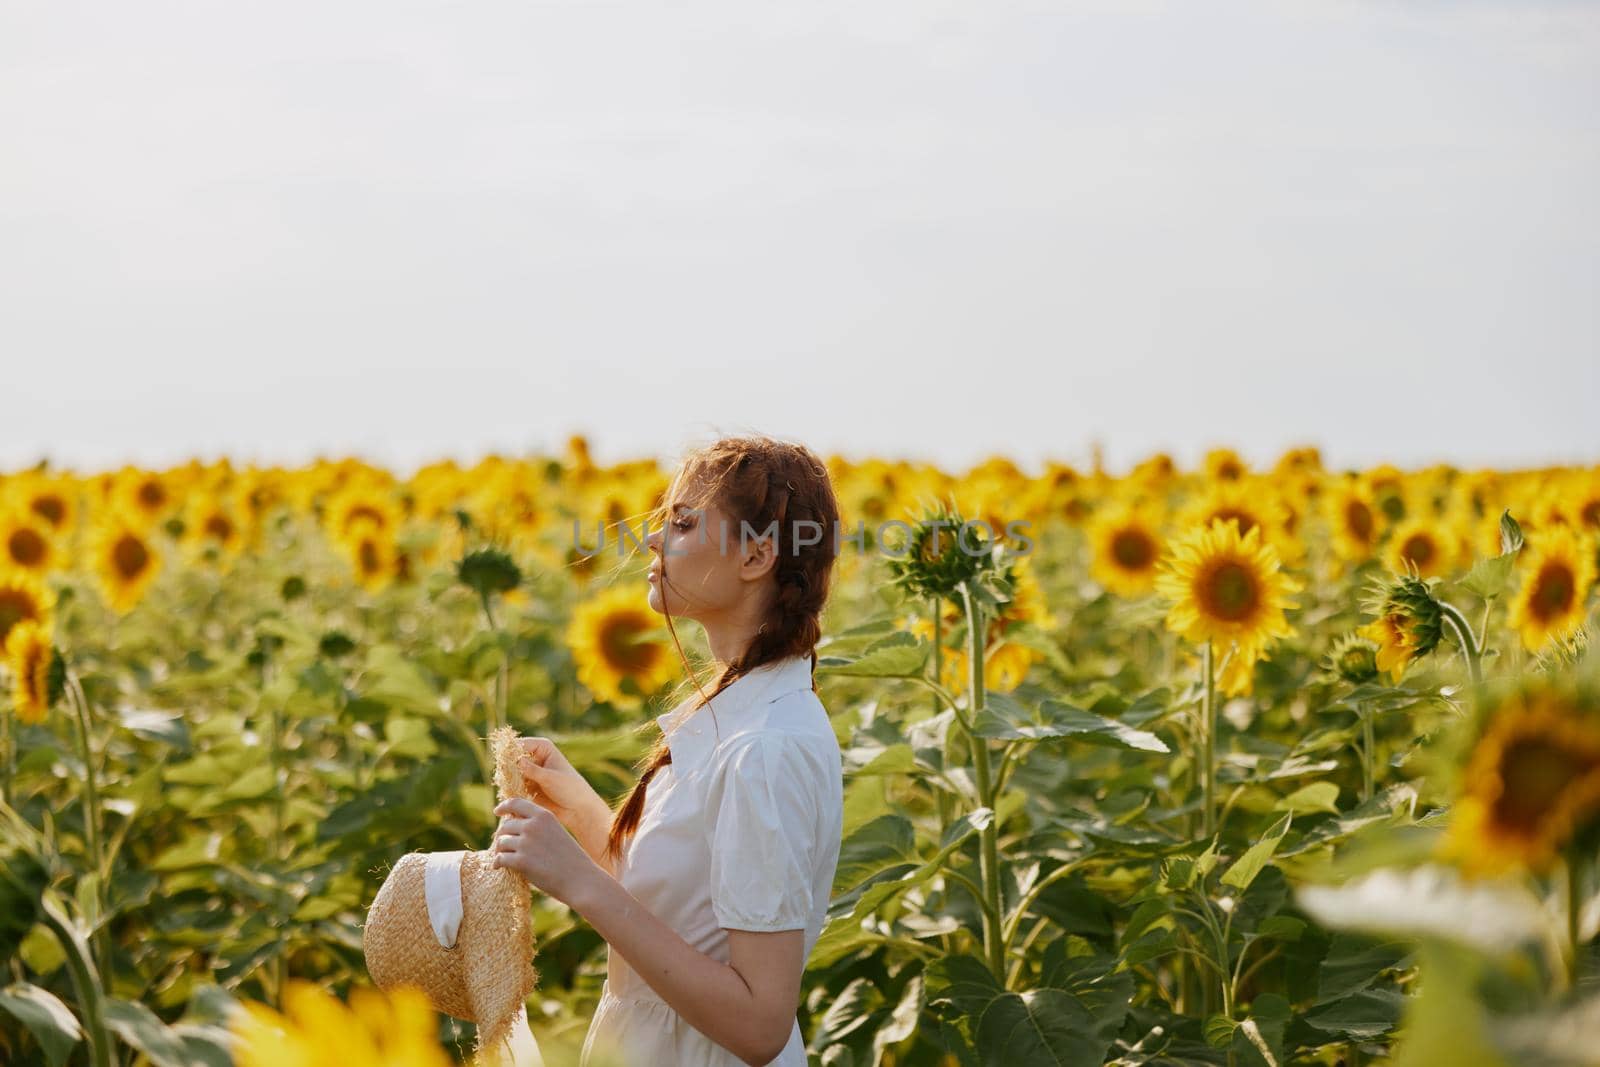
column 517, row 807
column 543, row 752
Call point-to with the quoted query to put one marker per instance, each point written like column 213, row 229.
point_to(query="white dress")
column 741, row 831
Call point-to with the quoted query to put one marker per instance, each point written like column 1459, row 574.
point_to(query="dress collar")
column 693, row 732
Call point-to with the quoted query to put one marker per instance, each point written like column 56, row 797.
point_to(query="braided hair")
column 769, row 485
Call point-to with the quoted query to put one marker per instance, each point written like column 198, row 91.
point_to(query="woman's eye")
column 684, row 524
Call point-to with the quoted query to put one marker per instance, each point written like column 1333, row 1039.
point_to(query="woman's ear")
column 759, row 557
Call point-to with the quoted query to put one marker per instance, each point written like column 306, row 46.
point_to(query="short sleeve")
column 761, row 814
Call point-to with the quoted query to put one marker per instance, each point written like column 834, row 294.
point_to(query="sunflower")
column 27, row 542
column 53, row 501
column 372, row 554
column 1531, row 783
column 23, row 598
column 367, row 503
column 1005, row 663
column 212, row 525
column 1430, row 546
column 1553, row 600
column 1125, row 545
column 617, row 643
column 1226, row 587
column 1253, row 504
column 376, row 1030
column 146, row 498
column 125, row 558
column 1409, row 623
column 1225, row 465
column 1154, row 472
column 1474, row 492
column 31, row 655
column 1387, row 484
column 1306, row 459
column 1397, row 644
column 1353, row 519
column 1583, row 501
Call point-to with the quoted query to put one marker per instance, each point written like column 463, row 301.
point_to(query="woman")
column 710, row 883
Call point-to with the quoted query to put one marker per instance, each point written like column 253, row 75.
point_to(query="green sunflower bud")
column 335, row 643
column 1353, row 658
column 488, row 571
column 941, row 556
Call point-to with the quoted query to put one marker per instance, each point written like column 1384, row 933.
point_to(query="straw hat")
column 457, row 926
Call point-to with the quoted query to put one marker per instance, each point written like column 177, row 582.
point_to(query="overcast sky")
column 921, row 228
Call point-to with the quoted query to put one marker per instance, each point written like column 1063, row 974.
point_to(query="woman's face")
column 698, row 571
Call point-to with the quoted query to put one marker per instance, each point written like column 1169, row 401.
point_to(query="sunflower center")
column 363, row 511
column 1244, row 519
column 1358, row 520
column 129, row 557
column 51, row 508
column 14, row 608
column 1230, row 592
column 1591, row 513
column 27, row 548
column 1553, row 589
column 219, row 527
column 34, row 677
column 1534, row 771
column 1419, row 549
column 619, row 643
column 371, row 563
column 152, row 495
column 1133, row 550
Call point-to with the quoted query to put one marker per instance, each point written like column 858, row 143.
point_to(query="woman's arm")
column 746, row 1005
column 592, row 827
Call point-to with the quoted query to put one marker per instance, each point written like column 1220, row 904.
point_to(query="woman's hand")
column 530, row 841
column 554, row 785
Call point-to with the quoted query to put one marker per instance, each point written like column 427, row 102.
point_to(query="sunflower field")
column 1217, row 766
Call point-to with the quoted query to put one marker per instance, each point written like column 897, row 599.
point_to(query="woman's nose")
column 652, row 541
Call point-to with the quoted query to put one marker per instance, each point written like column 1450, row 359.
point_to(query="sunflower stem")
column 945, row 814
column 1369, row 752
column 8, row 758
column 280, row 973
column 85, row 977
column 1461, row 630
column 498, row 713
column 989, row 836
column 91, row 813
column 1574, row 915
column 1208, row 743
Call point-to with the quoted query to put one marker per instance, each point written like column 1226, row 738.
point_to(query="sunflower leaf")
column 1256, row 857
column 1488, row 577
column 1008, row 719
column 41, row 1011
column 900, row 655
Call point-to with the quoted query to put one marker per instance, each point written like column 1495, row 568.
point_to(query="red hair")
column 768, row 484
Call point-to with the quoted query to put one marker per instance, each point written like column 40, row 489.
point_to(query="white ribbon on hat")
column 442, row 881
